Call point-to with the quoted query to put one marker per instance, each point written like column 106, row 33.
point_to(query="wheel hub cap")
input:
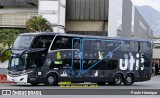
column 50, row 79
column 129, row 79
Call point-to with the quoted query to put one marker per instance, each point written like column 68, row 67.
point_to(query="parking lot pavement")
column 154, row 83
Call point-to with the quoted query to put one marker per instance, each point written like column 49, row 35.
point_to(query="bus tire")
column 117, row 79
column 129, row 79
column 51, row 80
column 34, row 84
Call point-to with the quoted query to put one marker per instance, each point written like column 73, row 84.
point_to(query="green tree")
column 38, row 23
column 7, row 37
column 5, row 56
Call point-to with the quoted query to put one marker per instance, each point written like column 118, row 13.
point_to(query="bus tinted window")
column 23, row 42
column 97, row 45
column 145, row 47
column 62, row 43
column 42, row 42
column 87, row 44
column 136, row 46
column 110, row 45
column 76, row 44
column 128, row 46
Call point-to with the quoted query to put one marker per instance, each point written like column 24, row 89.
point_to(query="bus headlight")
column 25, row 55
column 39, row 73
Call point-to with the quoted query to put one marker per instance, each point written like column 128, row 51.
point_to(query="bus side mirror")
column 3, row 51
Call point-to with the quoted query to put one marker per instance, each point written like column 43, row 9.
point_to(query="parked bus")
column 50, row 58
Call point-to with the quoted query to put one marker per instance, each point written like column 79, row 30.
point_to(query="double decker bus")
column 50, row 58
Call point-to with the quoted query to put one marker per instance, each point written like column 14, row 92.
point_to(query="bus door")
column 76, row 65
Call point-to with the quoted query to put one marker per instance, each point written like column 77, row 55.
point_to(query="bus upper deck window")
column 97, row 45
column 77, row 44
column 128, row 46
column 145, row 47
column 62, row 43
column 42, row 42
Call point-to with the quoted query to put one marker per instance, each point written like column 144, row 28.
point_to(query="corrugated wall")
column 87, row 9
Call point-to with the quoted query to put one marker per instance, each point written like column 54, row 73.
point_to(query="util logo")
column 132, row 63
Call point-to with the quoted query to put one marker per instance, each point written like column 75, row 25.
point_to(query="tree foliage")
column 5, row 56
column 7, row 37
column 38, row 24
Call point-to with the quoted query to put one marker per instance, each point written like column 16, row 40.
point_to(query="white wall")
column 112, row 19
column 4, row 64
column 15, row 16
column 115, row 18
column 54, row 12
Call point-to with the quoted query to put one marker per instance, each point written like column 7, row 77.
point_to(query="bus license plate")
column 13, row 80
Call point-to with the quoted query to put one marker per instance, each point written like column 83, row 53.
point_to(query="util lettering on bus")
column 130, row 62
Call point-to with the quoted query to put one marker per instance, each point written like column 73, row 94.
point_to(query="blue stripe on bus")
column 81, row 71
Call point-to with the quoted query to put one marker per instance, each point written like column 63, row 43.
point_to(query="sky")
column 153, row 3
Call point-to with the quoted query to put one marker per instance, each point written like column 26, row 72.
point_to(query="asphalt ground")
column 152, row 85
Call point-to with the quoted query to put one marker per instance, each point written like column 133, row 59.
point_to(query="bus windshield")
column 23, row 42
column 16, row 64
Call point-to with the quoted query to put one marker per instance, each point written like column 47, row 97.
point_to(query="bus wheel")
column 117, row 79
column 34, row 84
column 51, row 80
column 128, row 80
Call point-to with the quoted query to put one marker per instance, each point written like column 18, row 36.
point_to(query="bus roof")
column 84, row 36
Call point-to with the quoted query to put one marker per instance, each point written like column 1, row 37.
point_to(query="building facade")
column 113, row 18
column 14, row 13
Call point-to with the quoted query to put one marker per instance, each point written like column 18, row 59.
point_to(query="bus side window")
column 87, row 44
column 136, row 47
column 42, row 42
column 145, row 47
column 76, row 44
column 62, row 42
column 110, row 46
column 97, row 45
column 128, row 46
column 67, row 42
column 94, row 45
column 56, row 44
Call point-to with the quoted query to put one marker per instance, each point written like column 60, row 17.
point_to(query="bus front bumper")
column 18, row 79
